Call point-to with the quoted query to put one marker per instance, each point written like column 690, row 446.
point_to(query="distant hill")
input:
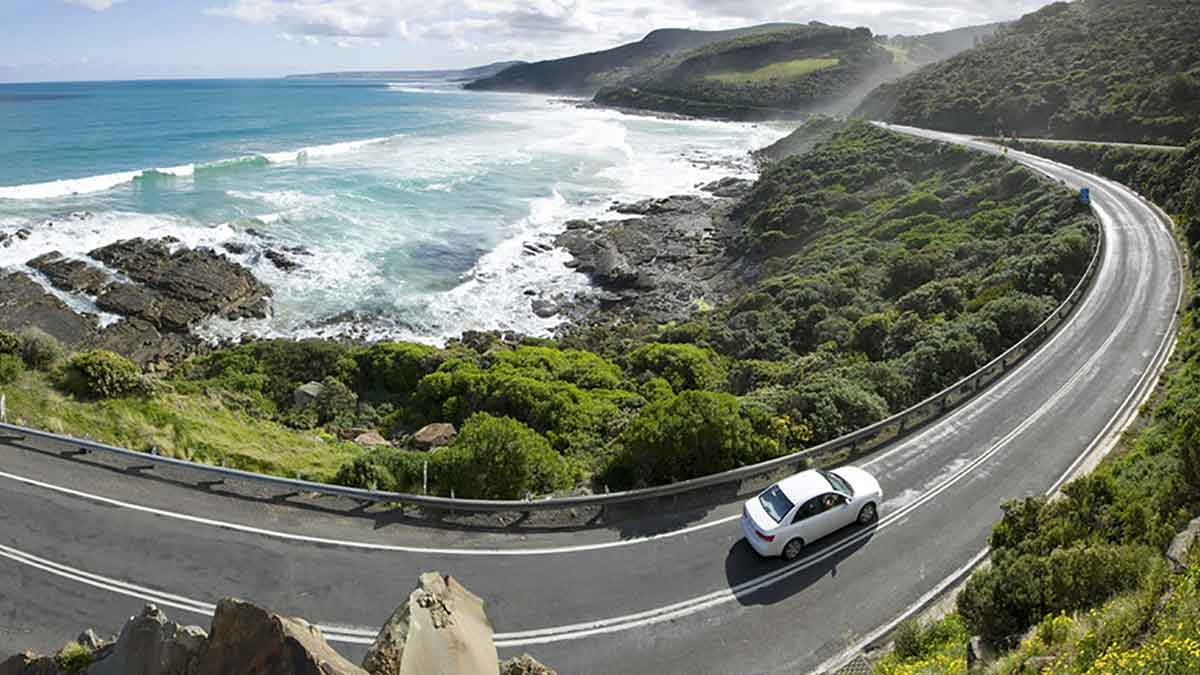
column 919, row 50
column 1122, row 70
column 585, row 74
column 462, row 75
column 786, row 73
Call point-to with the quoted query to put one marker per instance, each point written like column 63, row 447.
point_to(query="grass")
column 198, row 427
column 784, row 70
column 938, row 648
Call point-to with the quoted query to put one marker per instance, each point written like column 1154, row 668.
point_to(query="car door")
column 832, row 516
column 804, row 522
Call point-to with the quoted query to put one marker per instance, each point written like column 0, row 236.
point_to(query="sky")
column 44, row 40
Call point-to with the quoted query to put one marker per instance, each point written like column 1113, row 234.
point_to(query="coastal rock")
column 281, row 261
column 140, row 342
column 23, row 234
column 1182, row 545
column 441, row 630
column 149, row 644
column 371, row 439
column 24, row 303
column 544, row 308
column 525, row 665
column 307, row 394
column 673, row 204
column 729, row 187
column 248, row 639
column 436, row 435
column 236, row 248
column 181, row 288
column 72, row 276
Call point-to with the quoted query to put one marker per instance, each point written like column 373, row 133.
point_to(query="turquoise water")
column 416, row 199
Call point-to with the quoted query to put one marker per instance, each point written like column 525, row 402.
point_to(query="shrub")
column 395, row 368
column 908, row 640
column 39, row 349
column 833, row 406
column 9, row 343
column 11, row 368
column 336, row 403
column 870, row 335
column 73, row 658
column 693, row 434
column 683, row 366
column 503, row 459
column 366, row 472
column 103, row 374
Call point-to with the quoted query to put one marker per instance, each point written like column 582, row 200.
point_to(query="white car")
column 803, row 508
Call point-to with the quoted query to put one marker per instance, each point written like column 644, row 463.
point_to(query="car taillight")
column 765, row 537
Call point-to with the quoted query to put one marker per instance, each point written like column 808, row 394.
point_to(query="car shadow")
column 756, row 580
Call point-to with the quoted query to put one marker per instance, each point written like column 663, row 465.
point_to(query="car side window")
column 831, row 500
column 808, row 509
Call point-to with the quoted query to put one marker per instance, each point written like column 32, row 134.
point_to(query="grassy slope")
column 1091, row 69
column 783, row 70
column 187, row 426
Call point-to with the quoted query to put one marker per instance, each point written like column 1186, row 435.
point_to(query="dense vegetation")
column 1125, row 70
column 882, row 268
column 776, row 74
column 1083, row 578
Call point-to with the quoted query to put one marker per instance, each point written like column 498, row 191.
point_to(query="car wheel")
column 793, row 548
column 868, row 515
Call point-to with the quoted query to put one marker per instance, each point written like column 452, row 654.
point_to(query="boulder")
column 149, row 644
column 524, row 665
column 91, row 641
column 729, row 187
column 979, row 653
column 307, row 394
column 544, row 308
column 1182, row 544
column 441, row 630
column 371, row 439
column 281, row 261
column 1037, row 664
column 248, row 639
column 436, row 435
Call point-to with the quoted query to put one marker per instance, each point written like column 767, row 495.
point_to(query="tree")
column 500, row 458
column 683, row 366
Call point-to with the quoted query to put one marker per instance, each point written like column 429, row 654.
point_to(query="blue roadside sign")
column 1085, row 196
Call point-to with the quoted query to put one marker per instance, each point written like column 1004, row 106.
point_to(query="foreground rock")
column 441, row 630
column 248, row 639
column 149, row 644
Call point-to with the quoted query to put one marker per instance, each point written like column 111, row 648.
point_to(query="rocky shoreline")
column 660, row 260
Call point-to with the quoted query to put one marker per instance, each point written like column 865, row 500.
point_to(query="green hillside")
column 778, row 74
column 586, row 73
column 1092, row 69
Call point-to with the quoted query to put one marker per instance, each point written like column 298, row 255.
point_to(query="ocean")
column 413, row 200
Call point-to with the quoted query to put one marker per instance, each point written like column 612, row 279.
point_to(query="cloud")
column 548, row 28
column 94, row 5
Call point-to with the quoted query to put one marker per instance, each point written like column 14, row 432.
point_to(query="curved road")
column 81, row 545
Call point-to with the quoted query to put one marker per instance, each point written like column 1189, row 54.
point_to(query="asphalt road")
column 83, row 546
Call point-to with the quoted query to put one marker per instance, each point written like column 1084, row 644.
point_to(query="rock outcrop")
column 524, row 665
column 441, row 630
column 149, row 644
column 249, row 639
column 1182, row 545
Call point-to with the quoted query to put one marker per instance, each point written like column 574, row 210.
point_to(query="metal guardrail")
column 939, row 403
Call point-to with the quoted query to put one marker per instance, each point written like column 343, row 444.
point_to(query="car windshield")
column 775, row 503
column 838, row 483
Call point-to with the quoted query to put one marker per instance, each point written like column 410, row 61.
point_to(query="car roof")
column 804, row 486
